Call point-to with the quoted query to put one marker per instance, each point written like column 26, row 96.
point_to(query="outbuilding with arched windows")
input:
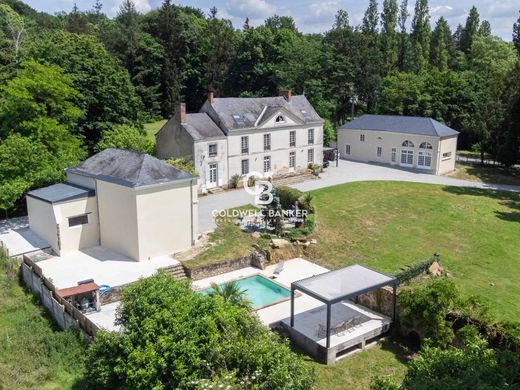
column 417, row 143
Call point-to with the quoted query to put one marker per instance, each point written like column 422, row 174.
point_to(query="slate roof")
column 401, row 124
column 61, row 192
column 129, row 169
column 251, row 109
column 201, row 127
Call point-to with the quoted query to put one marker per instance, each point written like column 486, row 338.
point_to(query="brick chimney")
column 287, row 95
column 180, row 112
column 211, row 97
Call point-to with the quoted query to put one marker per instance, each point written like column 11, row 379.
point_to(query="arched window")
column 426, row 145
column 280, row 119
column 408, row 144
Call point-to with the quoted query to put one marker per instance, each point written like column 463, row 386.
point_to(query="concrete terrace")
column 101, row 264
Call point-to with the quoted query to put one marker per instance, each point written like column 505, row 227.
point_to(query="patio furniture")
column 279, row 268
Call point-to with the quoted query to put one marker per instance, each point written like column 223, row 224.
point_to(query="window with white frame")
column 394, row 154
column 267, row 164
column 267, row 141
column 292, row 138
column 311, row 136
column 310, row 155
column 292, row 159
column 78, row 220
column 424, row 159
column 408, row 144
column 212, row 150
column 280, row 119
column 425, row 145
column 347, row 150
column 362, row 137
column 244, row 143
column 379, row 151
column 245, row 167
column 407, row 157
column 446, row 156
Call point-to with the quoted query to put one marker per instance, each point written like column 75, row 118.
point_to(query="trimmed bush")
column 176, row 338
column 289, row 196
column 413, row 270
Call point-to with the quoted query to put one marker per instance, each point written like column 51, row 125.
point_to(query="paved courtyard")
column 346, row 172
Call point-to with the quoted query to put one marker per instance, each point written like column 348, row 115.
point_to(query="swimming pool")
column 259, row 290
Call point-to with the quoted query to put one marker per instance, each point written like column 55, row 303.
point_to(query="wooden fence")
column 65, row 314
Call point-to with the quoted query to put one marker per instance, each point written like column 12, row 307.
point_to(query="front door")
column 407, row 158
column 213, row 173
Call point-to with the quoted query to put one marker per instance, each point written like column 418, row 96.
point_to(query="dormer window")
column 280, row 119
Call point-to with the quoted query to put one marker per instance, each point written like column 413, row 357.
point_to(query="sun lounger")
column 279, row 268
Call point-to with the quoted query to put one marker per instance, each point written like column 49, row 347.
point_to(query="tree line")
column 74, row 83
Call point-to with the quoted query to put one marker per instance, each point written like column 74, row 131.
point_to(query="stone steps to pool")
column 177, row 271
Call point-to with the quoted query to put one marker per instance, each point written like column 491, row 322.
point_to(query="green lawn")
column 487, row 174
column 386, row 225
column 34, row 353
column 153, row 127
column 355, row 372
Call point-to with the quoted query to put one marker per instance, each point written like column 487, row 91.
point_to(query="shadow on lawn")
column 507, row 198
column 494, row 174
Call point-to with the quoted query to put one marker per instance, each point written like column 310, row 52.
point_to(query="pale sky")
column 313, row 15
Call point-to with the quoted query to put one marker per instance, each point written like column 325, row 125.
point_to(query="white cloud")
column 253, row 9
column 327, row 8
column 142, row 6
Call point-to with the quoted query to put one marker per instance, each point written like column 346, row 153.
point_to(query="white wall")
column 73, row 238
column 202, row 160
column 447, row 164
column 118, row 218
column 43, row 221
column 164, row 219
column 279, row 152
column 367, row 151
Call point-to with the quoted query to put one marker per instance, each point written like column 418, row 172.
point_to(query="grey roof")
column 61, row 192
column 129, row 168
column 401, row 124
column 251, row 109
column 201, row 127
column 343, row 283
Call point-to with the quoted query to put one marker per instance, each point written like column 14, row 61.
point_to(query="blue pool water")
column 259, row 290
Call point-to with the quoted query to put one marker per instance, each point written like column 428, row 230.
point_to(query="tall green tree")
column 470, row 30
column 389, row 38
column 106, row 94
column 13, row 26
column 404, row 43
column 485, row 28
column 420, row 36
column 370, row 19
column 220, row 51
column 440, row 55
column 516, row 34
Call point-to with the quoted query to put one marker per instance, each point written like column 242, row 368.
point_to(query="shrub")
column 288, row 196
column 173, row 337
column 411, row 271
column 184, row 163
column 233, row 182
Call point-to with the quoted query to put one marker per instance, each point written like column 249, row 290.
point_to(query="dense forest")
column 74, row 83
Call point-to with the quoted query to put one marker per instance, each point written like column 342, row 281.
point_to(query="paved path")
column 346, row 172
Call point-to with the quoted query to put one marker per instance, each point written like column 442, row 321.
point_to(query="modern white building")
column 128, row 202
column 409, row 142
column 236, row 136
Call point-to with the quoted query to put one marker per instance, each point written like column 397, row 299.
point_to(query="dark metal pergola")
column 341, row 284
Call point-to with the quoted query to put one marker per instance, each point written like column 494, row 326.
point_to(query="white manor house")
column 236, row 136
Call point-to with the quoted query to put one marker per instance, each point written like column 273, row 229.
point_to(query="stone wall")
column 380, row 300
column 252, row 260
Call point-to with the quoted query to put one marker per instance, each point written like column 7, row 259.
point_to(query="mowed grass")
column 387, row 225
column 487, row 174
column 34, row 353
column 153, row 127
column 386, row 359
